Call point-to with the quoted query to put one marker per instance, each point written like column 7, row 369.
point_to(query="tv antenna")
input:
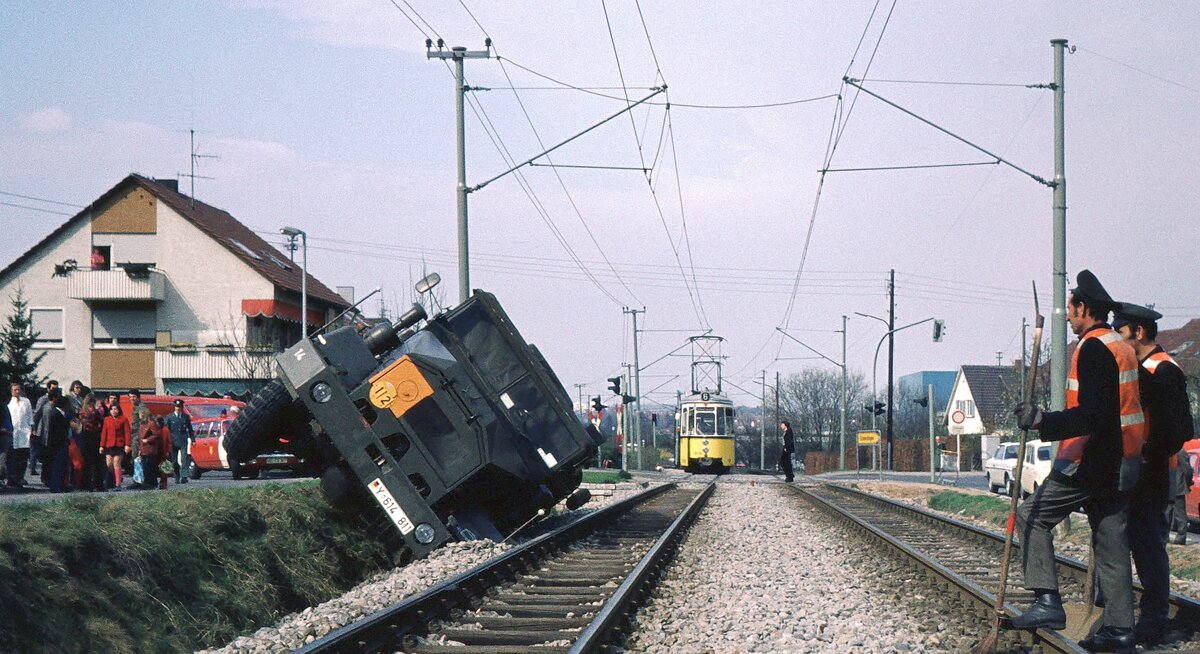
column 195, row 157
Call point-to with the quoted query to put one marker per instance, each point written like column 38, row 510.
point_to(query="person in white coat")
column 20, row 409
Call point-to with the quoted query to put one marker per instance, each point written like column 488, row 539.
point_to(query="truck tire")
column 252, row 429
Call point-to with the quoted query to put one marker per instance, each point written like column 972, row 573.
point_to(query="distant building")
column 916, row 385
column 146, row 288
column 981, row 398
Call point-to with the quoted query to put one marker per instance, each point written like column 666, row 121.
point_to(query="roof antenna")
column 195, row 156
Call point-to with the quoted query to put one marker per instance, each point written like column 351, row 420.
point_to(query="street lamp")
column 875, row 369
column 292, row 233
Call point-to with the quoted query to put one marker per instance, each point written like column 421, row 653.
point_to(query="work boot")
column 1110, row 639
column 1148, row 630
column 1181, row 538
column 1046, row 613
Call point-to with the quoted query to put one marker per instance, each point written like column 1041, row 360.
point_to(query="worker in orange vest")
column 1165, row 400
column 1101, row 433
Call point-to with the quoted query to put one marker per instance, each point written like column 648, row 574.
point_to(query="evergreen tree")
column 16, row 347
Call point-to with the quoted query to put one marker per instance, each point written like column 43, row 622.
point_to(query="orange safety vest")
column 1151, row 366
column 1133, row 421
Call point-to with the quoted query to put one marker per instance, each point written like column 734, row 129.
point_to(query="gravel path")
column 762, row 572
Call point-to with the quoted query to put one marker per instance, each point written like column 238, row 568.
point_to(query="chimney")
column 347, row 293
column 172, row 184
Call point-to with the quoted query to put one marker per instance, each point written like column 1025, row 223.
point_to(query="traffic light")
column 880, row 408
column 939, row 328
column 614, row 385
column 628, row 399
column 924, row 401
column 596, row 406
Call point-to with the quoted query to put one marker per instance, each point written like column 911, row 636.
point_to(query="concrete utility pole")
column 637, row 387
column 762, row 427
column 458, row 54
column 842, row 448
column 1058, row 325
column 932, row 453
column 891, row 358
column 1024, row 324
column 625, row 418
column 583, row 410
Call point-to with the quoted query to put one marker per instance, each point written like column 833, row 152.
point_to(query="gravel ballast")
column 761, row 571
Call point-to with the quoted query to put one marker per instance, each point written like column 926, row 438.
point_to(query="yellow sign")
column 399, row 386
column 869, row 437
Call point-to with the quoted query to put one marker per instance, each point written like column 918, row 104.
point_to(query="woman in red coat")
column 114, row 442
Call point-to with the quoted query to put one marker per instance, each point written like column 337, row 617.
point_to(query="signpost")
column 957, row 418
column 870, row 438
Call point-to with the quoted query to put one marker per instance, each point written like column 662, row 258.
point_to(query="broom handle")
column 1031, row 378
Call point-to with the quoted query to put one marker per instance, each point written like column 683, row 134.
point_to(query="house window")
column 117, row 326
column 101, row 257
column 966, row 406
column 48, row 325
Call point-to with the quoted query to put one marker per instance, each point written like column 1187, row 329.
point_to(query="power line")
column 1138, row 70
column 22, row 206
column 37, row 199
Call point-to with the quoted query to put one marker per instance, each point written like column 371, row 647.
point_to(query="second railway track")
column 965, row 560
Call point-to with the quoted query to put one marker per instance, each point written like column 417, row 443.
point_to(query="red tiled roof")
column 219, row 225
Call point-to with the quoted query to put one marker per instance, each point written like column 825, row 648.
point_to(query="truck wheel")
column 250, row 433
column 235, row 469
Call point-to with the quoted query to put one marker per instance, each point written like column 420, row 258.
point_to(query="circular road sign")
column 958, row 417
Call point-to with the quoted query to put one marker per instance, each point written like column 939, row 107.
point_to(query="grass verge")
column 599, row 477
column 171, row 572
column 992, row 510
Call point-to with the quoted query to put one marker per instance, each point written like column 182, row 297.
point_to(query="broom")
column 988, row 644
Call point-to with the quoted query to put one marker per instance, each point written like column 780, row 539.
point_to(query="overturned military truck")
column 456, row 429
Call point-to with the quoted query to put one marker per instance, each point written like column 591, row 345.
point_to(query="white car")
column 1039, row 460
column 999, row 468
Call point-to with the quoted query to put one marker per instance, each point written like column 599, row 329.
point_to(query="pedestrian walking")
column 164, row 441
column 1102, row 431
column 1182, row 479
column 150, row 449
column 38, row 436
column 182, row 435
column 115, row 443
column 789, row 448
column 20, row 410
column 1163, row 393
column 91, row 425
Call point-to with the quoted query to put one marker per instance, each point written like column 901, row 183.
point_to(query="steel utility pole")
column 458, row 54
column 762, row 427
column 1024, row 324
column 1058, row 326
column 636, row 387
column 891, row 358
column 778, row 418
column 625, row 419
column 583, row 410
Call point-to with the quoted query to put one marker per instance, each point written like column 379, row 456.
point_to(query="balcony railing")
column 177, row 362
column 109, row 285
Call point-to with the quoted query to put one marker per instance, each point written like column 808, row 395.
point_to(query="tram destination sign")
column 868, row 437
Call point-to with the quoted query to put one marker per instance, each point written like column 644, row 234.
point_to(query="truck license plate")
column 390, row 506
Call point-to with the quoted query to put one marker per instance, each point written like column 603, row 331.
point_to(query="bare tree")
column 811, row 401
column 250, row 352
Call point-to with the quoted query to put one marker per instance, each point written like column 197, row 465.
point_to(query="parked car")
column 199, row 408
column 1039, row 460
column 999, row 468
column 208, row 453
column 1192, row 500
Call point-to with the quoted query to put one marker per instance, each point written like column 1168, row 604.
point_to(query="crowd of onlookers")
column 81, row 441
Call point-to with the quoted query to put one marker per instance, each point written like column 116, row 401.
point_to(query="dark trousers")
column 93, row 461
column 18, row 458
column 785, row 464
column 150, row 463
column 1148, row 530
column 1052, row 503
column 59, row 465
column 1178, row 515
column 35, row 452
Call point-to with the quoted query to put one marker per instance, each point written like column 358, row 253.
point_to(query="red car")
column 208, row 453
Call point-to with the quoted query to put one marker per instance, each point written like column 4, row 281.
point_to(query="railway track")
column 964, row 560
column 570, row 590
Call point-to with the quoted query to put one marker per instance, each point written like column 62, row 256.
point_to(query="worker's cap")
column 178, row 402
column 1128, row 313
column 1087, row 286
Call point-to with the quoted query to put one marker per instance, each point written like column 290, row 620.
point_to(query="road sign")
column 868, row 437
column 958, row 417
column 957, row 430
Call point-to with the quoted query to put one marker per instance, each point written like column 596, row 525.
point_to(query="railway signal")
column 879, row 409
column 939, row 330
column 597, row 406
column 614, row 385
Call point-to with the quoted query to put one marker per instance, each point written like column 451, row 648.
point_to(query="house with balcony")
column 147, row 288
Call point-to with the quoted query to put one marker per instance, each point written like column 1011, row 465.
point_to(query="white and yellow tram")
column 704, row 433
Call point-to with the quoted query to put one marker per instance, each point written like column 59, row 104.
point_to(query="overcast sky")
column 329, row 117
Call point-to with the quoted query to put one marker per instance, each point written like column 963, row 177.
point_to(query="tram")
column 704, row 440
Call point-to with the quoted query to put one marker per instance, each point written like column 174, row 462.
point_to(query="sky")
column 330, row 117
